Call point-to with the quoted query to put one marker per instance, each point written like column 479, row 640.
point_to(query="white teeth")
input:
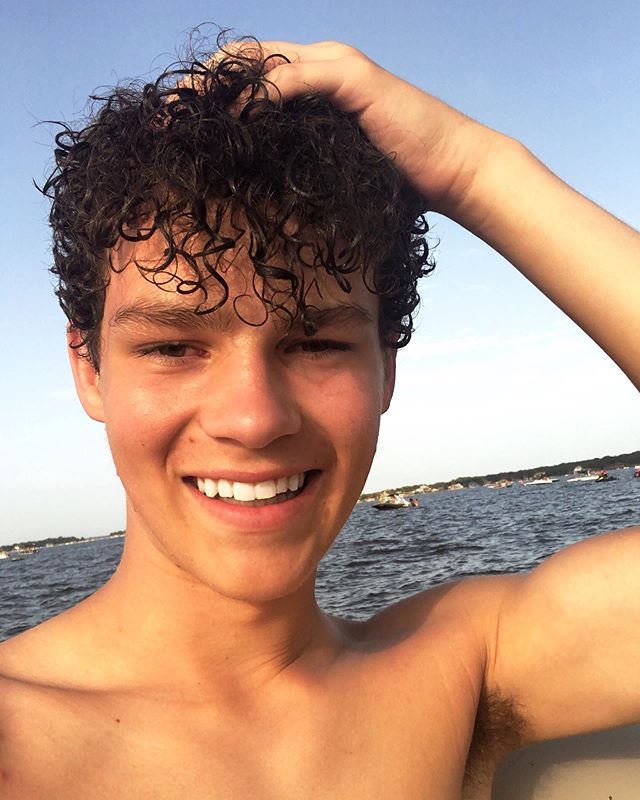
column 244, row 491
column 225, row 488
column 265, row 490
column 210, row 487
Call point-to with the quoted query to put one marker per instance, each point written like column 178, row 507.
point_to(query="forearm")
column 583, row 258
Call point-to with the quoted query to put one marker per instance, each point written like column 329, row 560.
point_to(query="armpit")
column 499, row 728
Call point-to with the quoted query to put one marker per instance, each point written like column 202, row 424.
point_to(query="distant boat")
column 18, row 553
column 604, row 477
column 636, row 471
column 394, row 502
column 539, row 479
column 391, row 506
column 580, row 476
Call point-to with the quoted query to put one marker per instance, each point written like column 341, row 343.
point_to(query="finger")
column 331, row 77
column 286, row 79
column 316, row 51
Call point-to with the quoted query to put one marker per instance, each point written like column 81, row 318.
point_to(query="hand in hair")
column 490, row 184
column 439, row 149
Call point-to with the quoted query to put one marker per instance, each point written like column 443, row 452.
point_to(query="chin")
column 266, row 590
column 254, row 578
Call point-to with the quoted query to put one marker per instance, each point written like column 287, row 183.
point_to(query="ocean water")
column 380, row 556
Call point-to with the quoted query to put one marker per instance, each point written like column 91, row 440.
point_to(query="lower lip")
column 258, row 519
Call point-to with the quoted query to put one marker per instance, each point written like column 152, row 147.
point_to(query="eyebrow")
column 166, row 315
column 169, row 315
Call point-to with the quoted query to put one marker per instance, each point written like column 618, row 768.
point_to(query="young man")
column 234, row 328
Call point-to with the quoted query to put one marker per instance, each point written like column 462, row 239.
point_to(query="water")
column 379, row 557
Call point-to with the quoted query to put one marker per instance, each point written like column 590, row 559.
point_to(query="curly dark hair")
column 297, row 181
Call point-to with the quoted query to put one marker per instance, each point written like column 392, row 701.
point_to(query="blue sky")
column 496, row 378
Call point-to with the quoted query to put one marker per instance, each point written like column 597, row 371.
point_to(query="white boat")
column 580, row 476
column 540, row 479
column 389, row 503
column 19, row 553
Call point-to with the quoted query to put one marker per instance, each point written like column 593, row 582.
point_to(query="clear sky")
column 496, row 378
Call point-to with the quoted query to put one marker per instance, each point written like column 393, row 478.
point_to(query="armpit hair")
column 500, row 727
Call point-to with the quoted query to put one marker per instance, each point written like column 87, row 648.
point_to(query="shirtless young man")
column 204, row 668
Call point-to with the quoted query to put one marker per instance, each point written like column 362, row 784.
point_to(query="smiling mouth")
column 264, row 493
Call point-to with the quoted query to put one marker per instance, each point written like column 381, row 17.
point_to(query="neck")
column 172, row 632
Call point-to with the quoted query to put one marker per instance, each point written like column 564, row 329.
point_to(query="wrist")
column 481, row 193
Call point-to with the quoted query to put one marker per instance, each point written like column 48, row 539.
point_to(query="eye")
column 171, row 352
column 319, row 348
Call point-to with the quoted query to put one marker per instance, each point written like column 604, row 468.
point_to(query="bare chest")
column 372, row 744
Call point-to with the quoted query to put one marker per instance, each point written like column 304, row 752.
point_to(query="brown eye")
column 172, row 350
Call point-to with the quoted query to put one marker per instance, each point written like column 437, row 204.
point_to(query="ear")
column 390, row 354
column 85, row 376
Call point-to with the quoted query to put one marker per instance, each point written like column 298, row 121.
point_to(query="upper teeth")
column 250, row 491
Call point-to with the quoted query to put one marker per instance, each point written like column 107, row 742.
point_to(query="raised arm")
column 566, row 642
column 584, row 259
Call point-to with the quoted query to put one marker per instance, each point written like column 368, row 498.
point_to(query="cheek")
column 140, row 423
column 351, row 410
column 351, row 422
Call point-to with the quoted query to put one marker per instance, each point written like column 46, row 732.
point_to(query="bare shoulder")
column 39, row 710
column 455, row 627
column 570, row 633
column 30, row 673
column 22, row 702
column 468, row 608
column 54, row 655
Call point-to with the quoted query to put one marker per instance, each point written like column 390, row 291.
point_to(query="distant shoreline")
column 55, row 541
column 552, row 470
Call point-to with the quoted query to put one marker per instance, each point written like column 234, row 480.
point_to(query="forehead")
column 141, row 280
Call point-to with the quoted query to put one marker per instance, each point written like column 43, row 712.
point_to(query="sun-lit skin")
column 185, row 396
column 204, row 668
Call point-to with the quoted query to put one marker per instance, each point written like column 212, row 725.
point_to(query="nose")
column 250, row 401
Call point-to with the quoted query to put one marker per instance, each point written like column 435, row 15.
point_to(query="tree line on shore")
column 552, row 470
column 52, row 541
